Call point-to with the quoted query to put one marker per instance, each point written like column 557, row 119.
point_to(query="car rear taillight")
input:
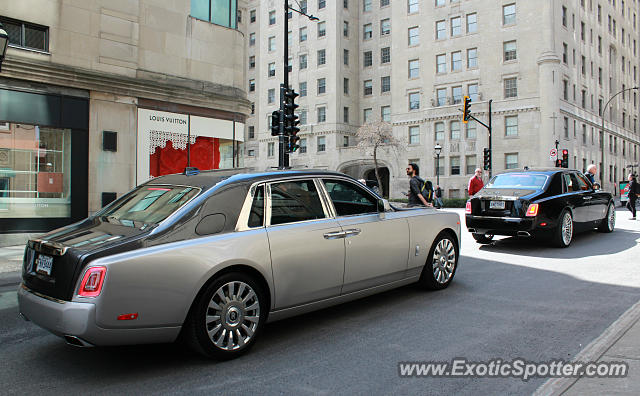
column 532, row 210
column 467, row 208
column 92, row 281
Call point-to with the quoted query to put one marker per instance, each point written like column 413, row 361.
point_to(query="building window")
column 219, row 12
column 455, row 130
column 511, row 126
column 251, row 134
column 251, row 153
column 322, row 145
column 272, row 69
column 509, row 49
column 322, row 29
column 441, row 96
column 414, row 101
column 322, row 114
column 511, row 161
column 252, row 85
column 366, row 115
column 472, row 23
column 322, row 57
column 510, row 87
column 252, row 16
column 252, row 62
column 345, row 86
column 272, row 17
column 302, row 87
column 471, row 132
column 270, row 149
column 385, row 27
column 303, row 34
column 303, row 61
column 441, row 30
column 472, row 58
column 441, row 63
column 440, row 3
column 345, row 115
column 455, row 165
column 368, row 59
column 271, row 95
column 456, row 26
column 366, row 5
column 456, row 61
column 345, row 29
column 322, row 86
column 509, row 14
column 303, row 6
column 345, row 141
column 439, row 132
column 456, row 94
column 385, row 55
column 303, row 117
column 321, row 4
column 272, row 43
column 412, row 6
column 471, row 162
column 368, row 87
column 414, row 36
column 252, row 39
column 414, row 135
column 367, row 31
column 385, row 113
column 565, row 53
column 385, row 84
column 303, row 146
column 414, row 68
column 472, row 91
column 345, row 57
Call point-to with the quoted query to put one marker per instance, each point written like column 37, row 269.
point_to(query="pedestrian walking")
column 438, row 194
column 633, row 189
column 475, row 183
column 591, row 173
column 415, row 187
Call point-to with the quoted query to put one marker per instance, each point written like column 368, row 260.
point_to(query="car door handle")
column 352, row 232
column 587, row 198
column 335, row 235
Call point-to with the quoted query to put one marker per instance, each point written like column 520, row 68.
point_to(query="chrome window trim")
column 346, row 180
column 284, row 180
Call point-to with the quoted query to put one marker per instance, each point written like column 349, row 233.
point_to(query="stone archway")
column 370, row 175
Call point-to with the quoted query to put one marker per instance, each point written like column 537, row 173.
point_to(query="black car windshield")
column 148, row 205
column 518, row 180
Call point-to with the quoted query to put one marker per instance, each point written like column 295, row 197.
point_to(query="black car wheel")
column 442, row 262
column 608, row 223
column 483, row 238
column 227, row 317
column 563, row 234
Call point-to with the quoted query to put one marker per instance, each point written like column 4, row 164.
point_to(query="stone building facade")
column 93, row 92
column 549, row 68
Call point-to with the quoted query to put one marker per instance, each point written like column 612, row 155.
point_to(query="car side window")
column 295, row 201
column 582, row 182
column 256, row 215
column 555, row 187
column 571, row 183
column 350, row 199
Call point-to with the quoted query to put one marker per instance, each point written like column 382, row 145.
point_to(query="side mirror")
column 381, row 208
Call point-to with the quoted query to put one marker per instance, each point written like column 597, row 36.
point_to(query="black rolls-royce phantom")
column 554, row 203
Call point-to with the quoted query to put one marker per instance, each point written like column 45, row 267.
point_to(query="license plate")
column 496, row 205
column 44, row 264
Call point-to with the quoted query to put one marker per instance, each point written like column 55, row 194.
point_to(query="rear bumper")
column 501, row 225
column 67, row 318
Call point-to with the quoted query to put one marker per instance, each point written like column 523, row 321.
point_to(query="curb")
column 593, row 351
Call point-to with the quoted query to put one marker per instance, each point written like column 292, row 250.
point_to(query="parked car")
column 554, row 203
column 211, row 257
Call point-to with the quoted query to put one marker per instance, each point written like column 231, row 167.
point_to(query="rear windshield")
column 148, row 205
column 518, row 180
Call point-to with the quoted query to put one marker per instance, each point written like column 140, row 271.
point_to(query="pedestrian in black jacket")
column 633, row 191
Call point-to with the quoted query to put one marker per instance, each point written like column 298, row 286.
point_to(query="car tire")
column 482, row 238
column 227, row 317
column 608, row 223
column 441, row 263
column 563, row 234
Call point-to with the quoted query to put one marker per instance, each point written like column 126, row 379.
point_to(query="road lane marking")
column 8, row 300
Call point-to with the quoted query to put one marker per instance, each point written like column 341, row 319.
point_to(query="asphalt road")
column 515, row 298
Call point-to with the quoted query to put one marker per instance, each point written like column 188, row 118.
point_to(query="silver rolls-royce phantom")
column 209, row 257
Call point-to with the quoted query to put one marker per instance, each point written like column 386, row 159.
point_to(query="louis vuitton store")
column 43, row 160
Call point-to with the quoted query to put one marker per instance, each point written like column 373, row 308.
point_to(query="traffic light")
column 487, row 158
column 291, row 121
column 466, row 111
column 558, row 163
column 565, row 158
column 275, row 123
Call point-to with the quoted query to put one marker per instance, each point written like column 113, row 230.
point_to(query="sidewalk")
column 10, row 264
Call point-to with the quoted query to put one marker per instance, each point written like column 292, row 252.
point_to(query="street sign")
column 553, row 154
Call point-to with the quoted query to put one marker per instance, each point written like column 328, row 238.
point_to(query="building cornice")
column 148, row 85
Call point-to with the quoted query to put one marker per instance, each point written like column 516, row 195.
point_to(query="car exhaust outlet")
column 20, row 314
column 523, row 234
column 472, row 230
column 77, row 342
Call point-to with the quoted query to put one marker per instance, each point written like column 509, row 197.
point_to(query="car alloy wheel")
column 611, row 217
column 441, row 262
column 232, row 315
column 567, row 228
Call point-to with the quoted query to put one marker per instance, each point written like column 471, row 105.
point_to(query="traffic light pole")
column 283, row 155
column 489, row 133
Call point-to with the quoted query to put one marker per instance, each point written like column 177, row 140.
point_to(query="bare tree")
column 377, row 135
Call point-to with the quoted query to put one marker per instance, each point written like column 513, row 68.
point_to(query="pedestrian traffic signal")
column 275, row 123
column 565, row 158
column 466, row 111
column 559, row 163
column 487, row 158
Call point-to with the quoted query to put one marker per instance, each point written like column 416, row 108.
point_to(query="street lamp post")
column 4, row 42
column 602, row 145
column 437, row 149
